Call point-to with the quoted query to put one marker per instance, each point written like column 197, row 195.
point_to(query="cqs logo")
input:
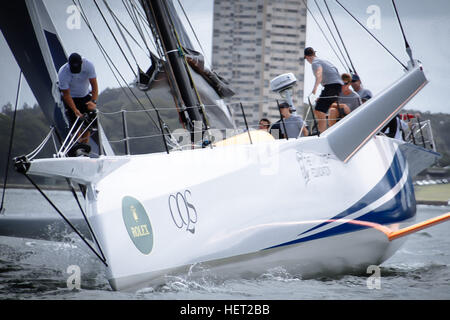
column 182, row 211
column 138, row 224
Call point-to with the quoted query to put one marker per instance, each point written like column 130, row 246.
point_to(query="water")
column 35, row 269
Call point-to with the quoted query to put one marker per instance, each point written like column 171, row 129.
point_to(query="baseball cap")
column 284, row 105
column 75, row 63
column 355, row 78
column 309, row 52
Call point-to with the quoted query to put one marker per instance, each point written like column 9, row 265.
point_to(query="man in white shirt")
column 74, row 78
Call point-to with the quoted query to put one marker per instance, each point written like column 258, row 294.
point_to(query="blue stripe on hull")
column 400, row 208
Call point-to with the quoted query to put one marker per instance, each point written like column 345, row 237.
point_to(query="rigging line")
column 137, row 25
column 156, row 40
column 118, row 22
column 408, row 48
column 324, row 35
column 354, row 18
column 201, row 107
column 115, row 38
column 332, row 35
column 151, row 102
column 11, row 138
column 54, row 141
column 108, row 60
column 107, row 57
column 35, row 152
column 74, row 141
column 133, row 15
column 146, row 94
column 103, row 51
column 141, row 17
column 121, row 33
column 68, row 136
column 65, row 219
column 133, row 11
column 177, row 97
column 133, row 19
column 193, row 31
column 139, row 9
column 74, row 193
column 162, row 124
column 156, row 35
column 340, row 37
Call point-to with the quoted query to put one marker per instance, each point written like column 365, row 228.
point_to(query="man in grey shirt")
column 328, row 76
column 349, row 97
column 294, row 123
column 347, row 102
column 365, row 94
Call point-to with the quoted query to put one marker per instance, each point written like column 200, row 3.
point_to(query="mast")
column 158, row 16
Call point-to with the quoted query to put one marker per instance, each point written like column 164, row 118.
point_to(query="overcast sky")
column 426, row 23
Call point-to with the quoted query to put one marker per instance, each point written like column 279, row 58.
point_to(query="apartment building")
column 253, row 42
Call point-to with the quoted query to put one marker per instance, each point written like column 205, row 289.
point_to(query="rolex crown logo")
column 135, row 215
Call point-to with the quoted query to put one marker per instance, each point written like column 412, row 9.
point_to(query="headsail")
column 36, row 46
column 37, row 49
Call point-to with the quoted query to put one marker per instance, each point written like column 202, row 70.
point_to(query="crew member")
column 264, row 124
column 328, row 76
column 396, row 128
column 75, row 77
column 295, row 126
column 348, row 101
column 364, row 93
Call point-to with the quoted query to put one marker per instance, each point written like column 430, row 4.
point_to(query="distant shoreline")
column 433, row 202
column 29, row 186
column 434, row 194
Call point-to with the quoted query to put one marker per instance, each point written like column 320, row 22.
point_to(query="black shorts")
column 328, row 96
column 80, row 103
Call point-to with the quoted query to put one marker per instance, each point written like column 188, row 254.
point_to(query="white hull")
column 307, row 205
column 342, row 254
column 252, row 207
column 243, row 209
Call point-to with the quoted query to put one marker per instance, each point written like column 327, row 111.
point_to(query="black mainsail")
column 198, row 90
